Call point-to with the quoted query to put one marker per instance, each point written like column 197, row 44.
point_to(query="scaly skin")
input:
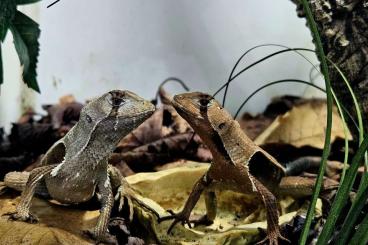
column 76, row 165
column 238, row 164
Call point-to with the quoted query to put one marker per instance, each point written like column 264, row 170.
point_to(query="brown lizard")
column 76, row 166
column 238, row 164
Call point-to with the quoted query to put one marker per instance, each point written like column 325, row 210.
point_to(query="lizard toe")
column 101, row 239
column 273, row 239
column 203, row 220
column 177, row 217
column 29, row 218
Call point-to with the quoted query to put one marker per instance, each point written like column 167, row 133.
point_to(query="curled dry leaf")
column 35, row 138
column 164, row 96
column 239, row 216
column 27, row 116
column 66, row 100
column 163, row 150
column 255, row 125
column 30, row 137
column 57, row 224
column 303, row 125
column 66, row 114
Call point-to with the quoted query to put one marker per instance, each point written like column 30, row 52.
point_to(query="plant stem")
column 326, row 149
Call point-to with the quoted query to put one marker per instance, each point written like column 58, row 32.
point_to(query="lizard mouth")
column 178, row 107
column 146, row 113
column 182, row 110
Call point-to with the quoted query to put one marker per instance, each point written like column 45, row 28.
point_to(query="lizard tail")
column 16, row 180
column 302, row 164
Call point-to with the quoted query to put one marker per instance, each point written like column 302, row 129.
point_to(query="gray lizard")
column 77, row 165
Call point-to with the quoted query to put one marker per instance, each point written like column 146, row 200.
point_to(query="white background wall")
column 91, row 46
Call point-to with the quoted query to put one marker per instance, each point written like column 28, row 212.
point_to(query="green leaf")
column 1, row 67
column 8, row 9
column 26, row 33
column 21, row 48
column 326, row 149
column 352, row 216
column 21, row 2
column 361, row 235
column 343, row 194
column 3, row 30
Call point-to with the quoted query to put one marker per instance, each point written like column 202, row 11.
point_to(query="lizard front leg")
column 211, row 209
column 107, row 201
column 270, row 202
column 183, row 216
column 22, row 212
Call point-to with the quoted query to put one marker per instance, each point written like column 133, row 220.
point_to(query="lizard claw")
column 125, row 192
column 203, row 220
column 128, row 193
column 102, row 239
column 273, row 238
column 179, row 217
column 29, row 218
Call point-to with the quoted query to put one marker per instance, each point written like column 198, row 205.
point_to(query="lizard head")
column 202, row 111
column 114, row 114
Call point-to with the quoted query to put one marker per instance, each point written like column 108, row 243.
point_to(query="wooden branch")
column 343, row 26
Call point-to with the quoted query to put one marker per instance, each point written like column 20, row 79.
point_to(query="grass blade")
column 253, row 48
column 1, row 68
column 257, row 62
column 343, row 194
column 326, row 148
column 346, row 131
column 352, row 217
column 273, row 83
column 361, row 235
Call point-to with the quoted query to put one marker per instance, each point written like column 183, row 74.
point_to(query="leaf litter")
column 163, row 160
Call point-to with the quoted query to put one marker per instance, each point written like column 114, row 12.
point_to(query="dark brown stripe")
column 216, row 138
column 117, row 99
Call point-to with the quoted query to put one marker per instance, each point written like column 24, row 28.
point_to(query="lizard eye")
column 117, row 101
column 116, row 98
column 203, row 102
column 88, row 118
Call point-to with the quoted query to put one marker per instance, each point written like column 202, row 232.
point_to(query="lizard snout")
column 150, row 108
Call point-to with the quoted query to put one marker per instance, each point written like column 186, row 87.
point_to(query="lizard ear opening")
column 261, row 167
column 55, row 154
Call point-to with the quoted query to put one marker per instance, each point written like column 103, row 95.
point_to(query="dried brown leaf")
column 67, row 99
column 303, row 125
column 57, row 224
column 163, row 150
column 165, row 97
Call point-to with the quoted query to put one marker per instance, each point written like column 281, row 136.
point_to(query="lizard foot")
column 29, row 218
column 203, row 220
column 125, row 192
column 179, row 217
column 273, row 238
column 101, row 239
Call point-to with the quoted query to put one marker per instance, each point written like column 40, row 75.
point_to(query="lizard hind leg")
column 22, row 211
column 270, row 202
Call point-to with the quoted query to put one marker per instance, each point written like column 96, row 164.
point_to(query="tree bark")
column 343, row 27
